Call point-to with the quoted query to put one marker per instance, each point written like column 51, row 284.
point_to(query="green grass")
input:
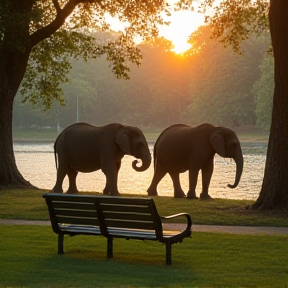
column 29, row 205
column 30, row 135
column 29, row 253
column 252, row 135
column 29, row 259
column 34, row 135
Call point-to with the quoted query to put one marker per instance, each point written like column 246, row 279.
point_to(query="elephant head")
column 132, row 141
column 225, row 143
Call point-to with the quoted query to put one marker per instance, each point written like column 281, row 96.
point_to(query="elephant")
column 181, row 147
column 82, row 147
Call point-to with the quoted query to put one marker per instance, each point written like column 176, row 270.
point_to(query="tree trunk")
column 15, row 49
column 274, row 192
column 13, row 63
column 9, row 174
column 12, row 69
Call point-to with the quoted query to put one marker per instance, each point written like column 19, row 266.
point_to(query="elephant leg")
column 111, row 173
column 207, row 172
column 193, row 177
column 106, row 190
column 61, row 173
column 178, row 192
column 157, row 177
column 72, row 174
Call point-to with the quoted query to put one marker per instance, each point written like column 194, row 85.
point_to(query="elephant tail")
column 55, row 154
column 154, row 155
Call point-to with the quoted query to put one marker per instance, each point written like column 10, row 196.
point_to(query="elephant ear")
column 218, row 143
column 122, row 139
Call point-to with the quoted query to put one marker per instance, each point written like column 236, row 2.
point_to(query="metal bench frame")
column 111, row 217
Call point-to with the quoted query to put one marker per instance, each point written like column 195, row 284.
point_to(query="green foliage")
column 221, row 81
column 218, row 80
column 57, row 31
column 160, row 88
column 233, row 21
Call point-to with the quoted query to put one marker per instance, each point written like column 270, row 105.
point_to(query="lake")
column 37, row 165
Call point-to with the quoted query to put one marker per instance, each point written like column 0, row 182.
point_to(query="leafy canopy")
column 63, row 29
column 235, row 20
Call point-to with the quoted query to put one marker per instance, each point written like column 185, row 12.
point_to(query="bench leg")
column 60, row 243
column 109, row 247
column 168, row 253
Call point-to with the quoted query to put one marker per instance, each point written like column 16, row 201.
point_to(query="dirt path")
column 195, row 228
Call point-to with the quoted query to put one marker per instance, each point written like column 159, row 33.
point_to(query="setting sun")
column 183, row 23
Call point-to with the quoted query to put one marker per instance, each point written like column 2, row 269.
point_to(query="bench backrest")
column 71, row 209
column 129, row 213
column 103, row 211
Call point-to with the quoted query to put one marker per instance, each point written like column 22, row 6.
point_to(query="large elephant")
column 86, row 148
column 181, row 147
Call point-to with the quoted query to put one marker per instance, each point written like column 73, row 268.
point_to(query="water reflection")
column 36, row 163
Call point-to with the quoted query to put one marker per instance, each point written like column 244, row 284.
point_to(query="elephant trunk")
column 239, row 168
column 146, row 161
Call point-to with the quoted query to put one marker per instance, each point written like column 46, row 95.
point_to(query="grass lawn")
column 30, row 205
column 29, row 253
column 29, row 259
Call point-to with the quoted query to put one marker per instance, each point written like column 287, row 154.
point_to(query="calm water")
column 36, row 163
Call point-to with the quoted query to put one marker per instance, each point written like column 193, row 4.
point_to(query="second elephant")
column 181, row 147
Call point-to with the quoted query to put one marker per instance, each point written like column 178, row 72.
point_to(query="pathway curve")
column 195, row 227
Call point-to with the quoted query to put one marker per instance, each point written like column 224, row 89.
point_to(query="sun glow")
column 183, row 23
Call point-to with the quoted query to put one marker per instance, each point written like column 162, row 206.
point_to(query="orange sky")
column 183, row 23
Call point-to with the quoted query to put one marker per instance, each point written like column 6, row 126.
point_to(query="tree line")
column 207, row 84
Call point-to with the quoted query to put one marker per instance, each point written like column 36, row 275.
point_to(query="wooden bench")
column 111, row 217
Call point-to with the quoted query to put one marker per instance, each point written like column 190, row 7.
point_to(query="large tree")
column 44, row 35
column 233, row 21
column 274, row 192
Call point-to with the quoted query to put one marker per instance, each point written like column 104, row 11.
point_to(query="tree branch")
column 57, row 6
column 56, row 24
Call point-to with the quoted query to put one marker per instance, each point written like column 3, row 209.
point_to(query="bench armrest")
column 188, row 218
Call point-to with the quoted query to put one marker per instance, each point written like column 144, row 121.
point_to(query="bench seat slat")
column 140, row 234
column 95, row 230
column 77, row 220
column 132, row 233
column 130, row 224
column 128, row 216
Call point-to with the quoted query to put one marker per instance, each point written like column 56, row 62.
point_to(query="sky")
column 183, row 23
